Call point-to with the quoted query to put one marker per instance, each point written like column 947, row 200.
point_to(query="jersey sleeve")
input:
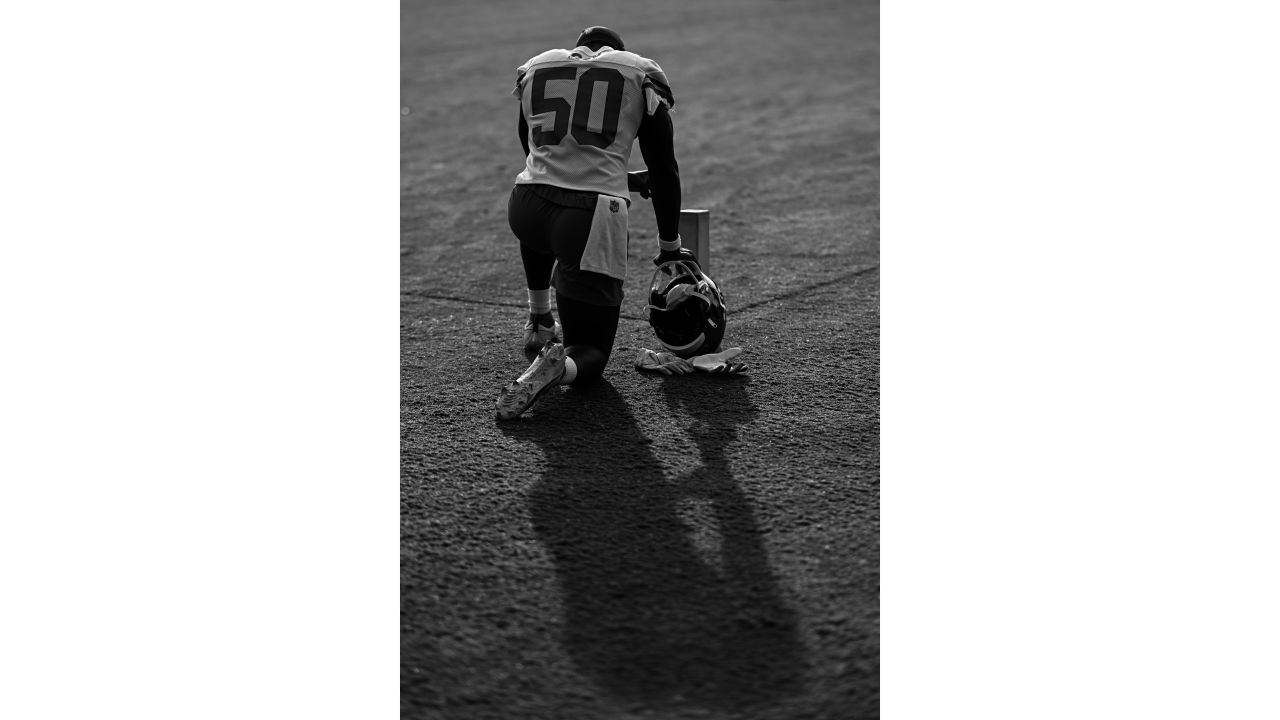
column 519, row 88
column 522, row 71
column 656, row 87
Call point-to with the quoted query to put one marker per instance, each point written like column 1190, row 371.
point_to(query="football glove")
column 638, row 182
column 718, row 363
column 678, row 254
column 663, row 362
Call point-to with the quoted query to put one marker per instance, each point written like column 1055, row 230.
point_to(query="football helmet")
column 600, row 34
column 686, row 309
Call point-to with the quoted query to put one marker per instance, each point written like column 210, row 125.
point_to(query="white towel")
column 606, row 250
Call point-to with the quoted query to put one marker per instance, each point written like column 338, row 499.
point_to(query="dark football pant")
column 589, row 302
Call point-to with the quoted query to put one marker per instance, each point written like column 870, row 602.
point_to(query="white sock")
column 570, row 371
column 539, row 301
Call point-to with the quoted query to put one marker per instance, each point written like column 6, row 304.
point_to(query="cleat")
column 524, row 391
column 536, row 336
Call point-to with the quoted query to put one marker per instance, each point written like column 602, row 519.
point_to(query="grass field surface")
column 651, row 547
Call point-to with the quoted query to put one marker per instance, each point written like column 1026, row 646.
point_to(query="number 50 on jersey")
column 575, row 117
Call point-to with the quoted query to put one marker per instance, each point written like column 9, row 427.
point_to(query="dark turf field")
column 652, row 547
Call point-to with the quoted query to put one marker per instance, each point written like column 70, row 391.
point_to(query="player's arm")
column 518, row 93
column 524, row 133
column 657, row 147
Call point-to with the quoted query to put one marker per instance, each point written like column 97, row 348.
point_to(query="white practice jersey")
column 584, row 109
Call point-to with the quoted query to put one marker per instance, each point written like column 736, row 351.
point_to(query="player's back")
column 584, row 109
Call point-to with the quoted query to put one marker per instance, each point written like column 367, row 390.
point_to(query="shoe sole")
column 509, row 415
column 532, row 401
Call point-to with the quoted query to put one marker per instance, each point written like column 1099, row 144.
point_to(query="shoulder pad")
column 654, row 78
column 548, row 56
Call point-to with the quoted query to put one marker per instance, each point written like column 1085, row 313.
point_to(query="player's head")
column 597, row 36
column 686, row 309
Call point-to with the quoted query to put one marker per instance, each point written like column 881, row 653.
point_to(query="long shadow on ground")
column 668, row 596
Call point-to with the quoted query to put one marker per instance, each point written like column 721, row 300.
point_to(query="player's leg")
column 530, row 218
column 589, row 332
column 589, row 302
column 592, row 303
column 534, row 220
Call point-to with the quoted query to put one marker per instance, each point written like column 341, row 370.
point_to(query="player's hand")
column 638, row 182
column 678, row 254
